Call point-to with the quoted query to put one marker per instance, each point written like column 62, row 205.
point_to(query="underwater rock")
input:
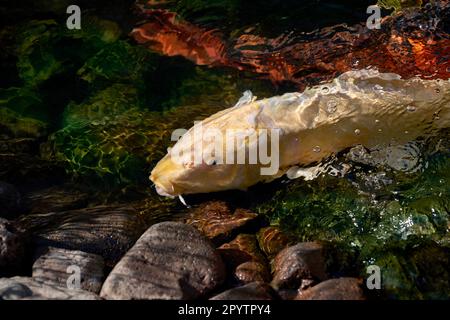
column 54, row 266
column 56, row 199
column 334, row 289
column 13, row 243
column 371, row 110
column 108, row 231
column 217, row 221
column 272, row 240
column 252, row 271
column 244, row 260
column 10, row 200
column 251, row 291
column 303, row 261
column 23, row 288
column 170, row 261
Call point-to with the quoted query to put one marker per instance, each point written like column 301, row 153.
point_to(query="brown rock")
column 218, row 222
column 252, row 271
column 299, row 262
column 334, row 289
column 53, row 267
column 170, row 261
column 251, row 291
column 244, row 260
column 108, row 231
column 272, row 240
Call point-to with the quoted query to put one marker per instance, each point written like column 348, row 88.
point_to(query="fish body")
column 361, row 107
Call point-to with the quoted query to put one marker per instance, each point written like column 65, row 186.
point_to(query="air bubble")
column 378, row 87
column 411, row 108
column 357, row 132
column 325, row 90
column 316, row 149
column 438, row 90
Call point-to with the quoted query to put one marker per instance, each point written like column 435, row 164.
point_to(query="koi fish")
column 363, row 107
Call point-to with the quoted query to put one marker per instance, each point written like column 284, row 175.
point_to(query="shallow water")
column 102, row 107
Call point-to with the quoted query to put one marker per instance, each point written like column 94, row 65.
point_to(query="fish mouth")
column 163, row 176
column 162, row 192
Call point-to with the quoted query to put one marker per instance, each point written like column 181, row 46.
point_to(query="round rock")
column 171, row 260
column 304, row 260
column 334, row 289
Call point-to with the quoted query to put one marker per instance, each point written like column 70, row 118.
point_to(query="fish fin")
column 247, row 97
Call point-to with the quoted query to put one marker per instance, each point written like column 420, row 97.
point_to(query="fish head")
column 192, row 166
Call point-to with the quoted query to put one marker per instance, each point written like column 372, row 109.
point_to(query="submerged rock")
column 218, row 222
column 334, row 289
column 272, row 240
column 55, row 266
column 252, row 271
column 170, row 261
column 251, row 291
column 304, row 261
column 23, row 288
column 244, row 260
column 108, row 231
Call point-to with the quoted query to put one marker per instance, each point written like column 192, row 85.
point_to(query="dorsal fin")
column 247, row 97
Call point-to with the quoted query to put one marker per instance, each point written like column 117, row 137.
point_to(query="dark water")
column 101, row 109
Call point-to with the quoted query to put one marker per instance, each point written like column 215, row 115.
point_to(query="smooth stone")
column 217, row 221
column 55, row 265
column 10, row 201
column 24, row 288
column 272, row 240
column 302, row 261
column 108, row 231
column 252, row 271
column 244, row 260
column 171, row 260
column 251, row 291
column 12, row 247
column 334, row 289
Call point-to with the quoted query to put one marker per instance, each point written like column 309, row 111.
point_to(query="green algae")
column 397, row 5
column 12, row 125
column 401, row 227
